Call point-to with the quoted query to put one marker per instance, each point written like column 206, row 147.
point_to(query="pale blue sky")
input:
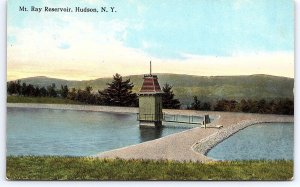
column 163, row 30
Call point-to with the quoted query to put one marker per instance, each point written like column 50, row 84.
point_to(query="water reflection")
column 147, row 134
column 75, row 133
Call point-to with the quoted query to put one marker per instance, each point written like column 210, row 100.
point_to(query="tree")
column 27, row 90
column 119, row 93
column 253, row 106
column 225, row 105
column 168, row 100
column 284, row 106
column 85, row 95
column 23, row 89
column 52, row 90
column 262, row 106
column 43, row 92
column 243, row 106
column 18, row 87
column 37, row 92
column 196, row 105
column 206, row 106
column 72, row 94
column 64, row 91
column 14, row 87
column 98, row 99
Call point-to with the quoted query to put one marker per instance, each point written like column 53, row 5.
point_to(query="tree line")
column 119, row 93
column 16, row 88
column 274, row 106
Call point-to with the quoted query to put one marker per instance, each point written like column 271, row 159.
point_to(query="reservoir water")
column 75, row 133
column 261, row 141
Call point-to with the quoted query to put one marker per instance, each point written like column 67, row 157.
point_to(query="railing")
column 190, row 119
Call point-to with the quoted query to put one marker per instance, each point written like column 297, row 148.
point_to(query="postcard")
column 126, row 90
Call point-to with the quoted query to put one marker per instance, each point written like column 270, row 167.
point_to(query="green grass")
column 83, row 168
column 46, row 100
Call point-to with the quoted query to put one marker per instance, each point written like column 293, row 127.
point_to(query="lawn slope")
column 82, row 168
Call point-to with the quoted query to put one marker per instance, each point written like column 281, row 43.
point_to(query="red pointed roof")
column 150, row 85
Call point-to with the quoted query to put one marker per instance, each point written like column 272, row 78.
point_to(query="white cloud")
column 273, row 63
column 97, row 51
column 90, row 52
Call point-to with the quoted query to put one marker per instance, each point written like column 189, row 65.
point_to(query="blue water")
column 262, row 141
column 76, row 133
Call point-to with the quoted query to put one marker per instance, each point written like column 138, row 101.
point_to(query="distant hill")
column 207, row 88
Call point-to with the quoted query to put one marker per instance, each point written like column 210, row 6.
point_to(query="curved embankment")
column 91, row 108
column 189, row 145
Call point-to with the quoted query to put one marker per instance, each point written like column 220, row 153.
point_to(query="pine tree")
column 168, row 100
column 119, row 93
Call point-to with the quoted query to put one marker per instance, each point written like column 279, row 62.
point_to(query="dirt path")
column 193, row 144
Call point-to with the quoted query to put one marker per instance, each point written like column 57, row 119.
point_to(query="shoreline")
column 189, row 145
column 92, row 108
column 208, row 143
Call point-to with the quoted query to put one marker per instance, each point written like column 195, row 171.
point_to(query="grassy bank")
column 45, row 100
column 80, row 168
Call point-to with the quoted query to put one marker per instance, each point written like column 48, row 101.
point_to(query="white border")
column 4, row 182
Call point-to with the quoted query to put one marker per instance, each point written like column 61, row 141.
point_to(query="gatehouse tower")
column 150, row 102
